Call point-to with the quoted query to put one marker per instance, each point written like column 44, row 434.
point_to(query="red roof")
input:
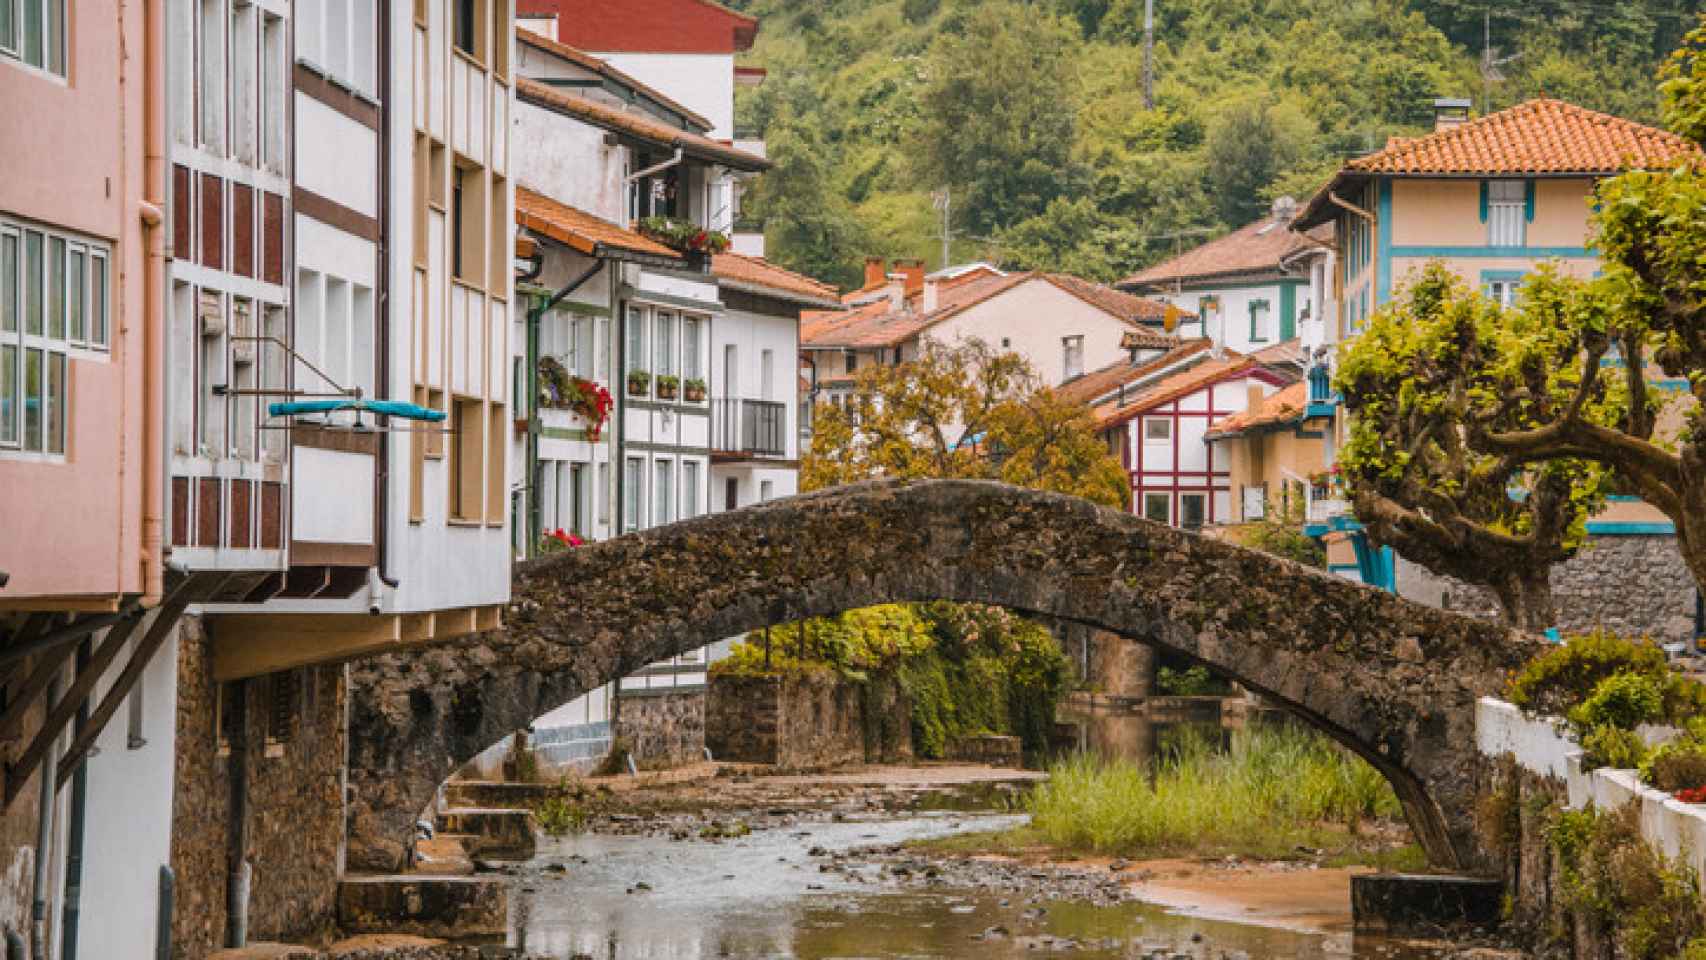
column 1103, row 381
column 1257, row 249
column 756, row 273
column 1184, row 383
column 1276, row 409
column 647, row 26
column 578, row 229
column 877, row 324
column 640, row 126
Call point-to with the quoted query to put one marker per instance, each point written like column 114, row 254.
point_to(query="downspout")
column 619, row 380
column 153, row 303
column 656, row 167
column 72, row 908
column 44, row 835
column 534, row 317
column 382, row 468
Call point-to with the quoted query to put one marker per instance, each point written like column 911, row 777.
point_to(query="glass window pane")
column 690, row 349
column 53, row 404
column 56, row 36
column 74, row 297
column 32, row 283
column 665, row 345
column 32, row 32
column 98, row 301
column 8, row 394
column 56, row 289
column 8, row 24
column 8, row 280
column 636, row 339
column 32, row 399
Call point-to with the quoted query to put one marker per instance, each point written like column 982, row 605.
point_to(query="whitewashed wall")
column 703, row 82
column 1031, row 320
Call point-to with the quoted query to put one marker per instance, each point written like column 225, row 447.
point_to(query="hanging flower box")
column 561, row 390
column 683, row 235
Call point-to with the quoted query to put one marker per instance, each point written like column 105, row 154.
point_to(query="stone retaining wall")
column 795, row 723
column 1632, row 585
column 662, row 729
column 294, row 836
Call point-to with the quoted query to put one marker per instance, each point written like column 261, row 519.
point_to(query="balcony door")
column 731, row 371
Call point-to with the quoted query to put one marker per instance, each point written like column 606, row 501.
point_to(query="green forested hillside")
column 1032, row 113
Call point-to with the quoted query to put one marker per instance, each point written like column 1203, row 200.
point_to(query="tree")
column 998, row 111
column 1410, row 382
column 1249, row 146
column 961, row 411
column 1614, row 369
column 808, row 226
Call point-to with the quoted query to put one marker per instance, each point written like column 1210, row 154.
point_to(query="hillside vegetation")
column 1032, row 113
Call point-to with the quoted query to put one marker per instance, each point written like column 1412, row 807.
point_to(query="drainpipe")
column 153, row 302
column 534, row 317
column 656, row 167
column 44, row 835
column 382, row 468
column 75, row 830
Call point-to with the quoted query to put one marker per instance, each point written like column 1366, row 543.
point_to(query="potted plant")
column 684, row 235
column 639, row 383
column 668, row 387
column 694, row 390
column 592, row 402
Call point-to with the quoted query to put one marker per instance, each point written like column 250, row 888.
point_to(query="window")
column 766, row 491
column 692, row 366
column 689, row 489
column 633, row 475
column 731, row 494
column 665, row 335
column 210, row 93
column 1260, row 313
column 852, row 361
column 1503, row 291
column 457, row 232
column 575, row 508
column 33, row 31
column 1157, row 429
column 1072, row 357
column 663, row 493
column 1158, row 507
column 1507, row 204
column 468, row 423
column 467, row 26
column 53, row 301
column 766, row 374
column 1255, row 502
column 636, row 339
column 1193, row 510
column 603, row 493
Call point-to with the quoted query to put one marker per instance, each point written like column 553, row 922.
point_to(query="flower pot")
column 695, row 394
column 638, row 388
column 666, row 391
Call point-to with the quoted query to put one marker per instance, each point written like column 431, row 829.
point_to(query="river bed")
column 784, row 892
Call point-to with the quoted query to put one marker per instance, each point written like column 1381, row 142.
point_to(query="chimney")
column 932, row 294
column 895, row 291
column 913, row 271
column 874, row 272
column 1285, row 208
column 1451, row 112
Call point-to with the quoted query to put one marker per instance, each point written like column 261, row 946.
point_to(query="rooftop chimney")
column 932, row 294
column 874, row 272
column 913, row 271
column 895, row 291
column 1451, row 112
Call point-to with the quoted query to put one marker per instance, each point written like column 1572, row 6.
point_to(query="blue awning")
column 390, row 408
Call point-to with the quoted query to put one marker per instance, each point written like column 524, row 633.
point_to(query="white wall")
column 1235, row 311
column 128, row 814
column 702, row 82
column 1031, row 320
column 568, row 161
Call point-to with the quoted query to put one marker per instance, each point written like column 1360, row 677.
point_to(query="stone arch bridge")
column 1393, row 681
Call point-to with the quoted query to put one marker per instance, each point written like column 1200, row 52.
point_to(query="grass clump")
column 1273, row 790
column 1648, row 905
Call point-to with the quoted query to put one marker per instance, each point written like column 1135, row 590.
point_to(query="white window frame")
column 1504, row 292
column 1507, row 213
column 1166, row 436
column 633, row 494
column 664, row 347
column 634, row 335
column 92, row 298
column 692, row 350
column 1072, row 357
column 663, row 491
column 1199, row 495
column 1167, row 497
column 55, row 25
column 690, row 477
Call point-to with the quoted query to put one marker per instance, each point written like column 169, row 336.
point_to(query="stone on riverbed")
column 451, row 907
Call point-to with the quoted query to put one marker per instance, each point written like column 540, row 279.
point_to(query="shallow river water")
column 763, row 895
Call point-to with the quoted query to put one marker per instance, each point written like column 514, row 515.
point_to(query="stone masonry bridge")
column 1393, row 681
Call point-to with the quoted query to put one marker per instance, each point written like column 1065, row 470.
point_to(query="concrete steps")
column 490, row 833
column 449, row 907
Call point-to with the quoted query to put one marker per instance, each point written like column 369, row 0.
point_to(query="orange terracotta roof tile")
column 1167, row 389
column 1537, row 137
column 603, row 68
column 1281, row 407
column 639, row 126
column 1257, row 248
column 579, row 229
column 1103, row 381
column 742, row 270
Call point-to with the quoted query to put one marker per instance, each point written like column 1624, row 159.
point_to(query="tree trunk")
column 1525, row 599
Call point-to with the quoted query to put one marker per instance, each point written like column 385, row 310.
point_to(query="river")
column 769, row 894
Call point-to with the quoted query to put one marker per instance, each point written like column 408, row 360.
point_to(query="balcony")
column 742, row 429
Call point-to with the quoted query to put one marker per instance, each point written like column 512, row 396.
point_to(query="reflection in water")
column 763, row 896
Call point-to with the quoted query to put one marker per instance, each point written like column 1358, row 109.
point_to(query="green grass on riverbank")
column 1275, row 790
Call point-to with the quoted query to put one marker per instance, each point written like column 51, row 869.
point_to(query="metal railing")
column 758, row 427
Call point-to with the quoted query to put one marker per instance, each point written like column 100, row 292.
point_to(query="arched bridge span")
column 1393, row 681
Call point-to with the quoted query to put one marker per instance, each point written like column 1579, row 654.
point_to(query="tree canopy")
column 1032, row 112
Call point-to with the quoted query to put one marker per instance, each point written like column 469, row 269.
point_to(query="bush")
column 1614, row 747
column 1559, row 679
column 1677, row 765
column 1649, row 905
column 1623, row 700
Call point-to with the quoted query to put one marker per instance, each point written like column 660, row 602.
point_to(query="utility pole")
column 1487, row 60
column 1149, row 54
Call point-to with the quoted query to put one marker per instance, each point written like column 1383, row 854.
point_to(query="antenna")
column 1148, row 54
column 1491, row 61
column 943, row 200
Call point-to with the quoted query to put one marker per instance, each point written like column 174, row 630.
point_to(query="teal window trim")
column 1528, row 200
column 1625, row 528
column 1288, row 311
column 1486, row 199
column 1385, row 252
column 1256, row 336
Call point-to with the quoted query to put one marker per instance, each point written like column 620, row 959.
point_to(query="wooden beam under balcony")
column 253, row 645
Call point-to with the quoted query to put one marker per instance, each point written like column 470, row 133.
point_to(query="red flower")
column 1692, row 795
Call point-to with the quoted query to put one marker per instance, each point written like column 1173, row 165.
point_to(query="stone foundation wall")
column 795, row 723
column 18, row 822
column 662, row 729
column 1634, row 585
column 293, row 775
